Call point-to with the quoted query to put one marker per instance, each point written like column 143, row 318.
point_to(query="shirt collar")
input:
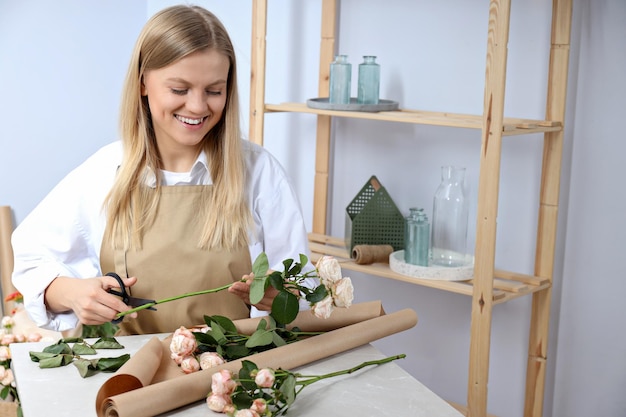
column 198, row 175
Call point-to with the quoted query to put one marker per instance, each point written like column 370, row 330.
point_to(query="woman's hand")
column 242, row 290
column 87, row 298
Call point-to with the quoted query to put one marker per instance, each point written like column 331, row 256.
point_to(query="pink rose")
column 177, row 358
column 183, row 342
column 20, row 337
column 259, row 405
column 323, row 309
column 190, row 364
column 5, row 353
column 218, row 402
column 222, row 383
column 265, row 378
column 7, row 378
column 343, row 292
column 7, row 339
column 329, row 270
column 210, row 360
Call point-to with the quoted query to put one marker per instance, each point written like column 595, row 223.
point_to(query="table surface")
column 385, row 390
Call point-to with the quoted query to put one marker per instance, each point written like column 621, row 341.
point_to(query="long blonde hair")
column 168, row 36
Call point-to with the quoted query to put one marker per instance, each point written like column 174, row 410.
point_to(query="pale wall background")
column 61, row 69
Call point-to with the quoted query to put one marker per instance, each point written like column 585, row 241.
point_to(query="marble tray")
column 441, row 273
column 323, row 104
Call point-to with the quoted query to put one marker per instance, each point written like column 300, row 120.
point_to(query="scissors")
column 127, row 298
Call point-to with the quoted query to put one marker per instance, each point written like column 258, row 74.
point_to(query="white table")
column 385, row 390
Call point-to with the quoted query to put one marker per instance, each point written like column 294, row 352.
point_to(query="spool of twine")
column 369, row 254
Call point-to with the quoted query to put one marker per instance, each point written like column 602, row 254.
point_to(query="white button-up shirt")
column 62, row 236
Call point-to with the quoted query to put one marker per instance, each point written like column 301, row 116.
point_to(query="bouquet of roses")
column 265, row 392
column 333, row 291
column 218, row 340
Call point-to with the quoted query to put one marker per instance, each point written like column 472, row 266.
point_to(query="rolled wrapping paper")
column 369, row 254
column 179, row 391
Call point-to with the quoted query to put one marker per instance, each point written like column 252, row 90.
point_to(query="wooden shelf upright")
column 489, row 286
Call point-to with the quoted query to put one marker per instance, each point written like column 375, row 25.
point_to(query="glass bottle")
column 449, row 222
column 416, row 237
column 369, row 81
column 340, row 78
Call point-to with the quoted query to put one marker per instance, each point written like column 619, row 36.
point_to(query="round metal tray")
column 323, row 104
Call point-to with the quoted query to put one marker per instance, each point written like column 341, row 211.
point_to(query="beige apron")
column 170, row 263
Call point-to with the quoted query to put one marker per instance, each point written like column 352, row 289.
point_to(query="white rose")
column 329, row 270
column 210, row 360
column 324, row 308
column 343, row 292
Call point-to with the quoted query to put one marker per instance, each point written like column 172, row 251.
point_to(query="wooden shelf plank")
column 512, row 126
column 507, row 285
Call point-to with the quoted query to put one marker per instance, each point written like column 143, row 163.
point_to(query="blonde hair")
column 168, row 36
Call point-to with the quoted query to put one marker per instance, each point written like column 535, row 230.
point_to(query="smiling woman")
column 180, row 204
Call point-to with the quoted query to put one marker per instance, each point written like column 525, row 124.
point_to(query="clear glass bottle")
column 449, row 222
column 416, row 237
column 340, row 79
column 369, row 81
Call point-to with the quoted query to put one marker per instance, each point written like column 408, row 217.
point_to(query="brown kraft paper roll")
column 182, row 390
column 369, row 254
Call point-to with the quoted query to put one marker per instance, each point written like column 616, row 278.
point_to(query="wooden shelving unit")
column 489, row 286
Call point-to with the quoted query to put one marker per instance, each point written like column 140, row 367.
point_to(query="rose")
column 323, row 309
column 7, row 339
column 329, row 270
column 210, row 360
column 6, row 377
column 183, row 342
column 343, row 292
column 259, row 405
column 189, row 364
column 5, row 353
column 218, row 402
column 265, row 378
column 222, row 382
column 8, row 322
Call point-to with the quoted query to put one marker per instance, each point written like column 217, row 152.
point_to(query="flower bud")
column 265, row 378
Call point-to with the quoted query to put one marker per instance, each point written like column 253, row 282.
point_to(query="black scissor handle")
column 121, row 293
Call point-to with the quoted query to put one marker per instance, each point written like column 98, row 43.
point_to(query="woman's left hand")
column 242, row 290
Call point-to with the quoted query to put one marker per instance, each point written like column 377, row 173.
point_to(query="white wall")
column 62, row 66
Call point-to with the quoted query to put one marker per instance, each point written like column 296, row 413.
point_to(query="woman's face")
column 186, row 100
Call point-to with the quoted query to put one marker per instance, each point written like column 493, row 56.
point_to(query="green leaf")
column 37, row 356
column 85, row 367
column 58, row 348
column 226, row 323
column 277, row 281
column 71, row 340
column 218, row 335
column 247, row 367
column 257, row 288
column 261, row 265
column 287, row 264
column 205, row 339
column 233, row 352
column 285, row 307
column 288, row 389
column 83, row 349
column 55, row 361
column 260, row 338
column 317, row 295
column 112, row 364
column 277, row 340
column 303, row 259
column 262, row 325
column 5, row 392
column 107, row 343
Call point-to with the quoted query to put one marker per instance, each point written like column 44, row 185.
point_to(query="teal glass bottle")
column 340, row 79
column 369, row 81
column 416, row 237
